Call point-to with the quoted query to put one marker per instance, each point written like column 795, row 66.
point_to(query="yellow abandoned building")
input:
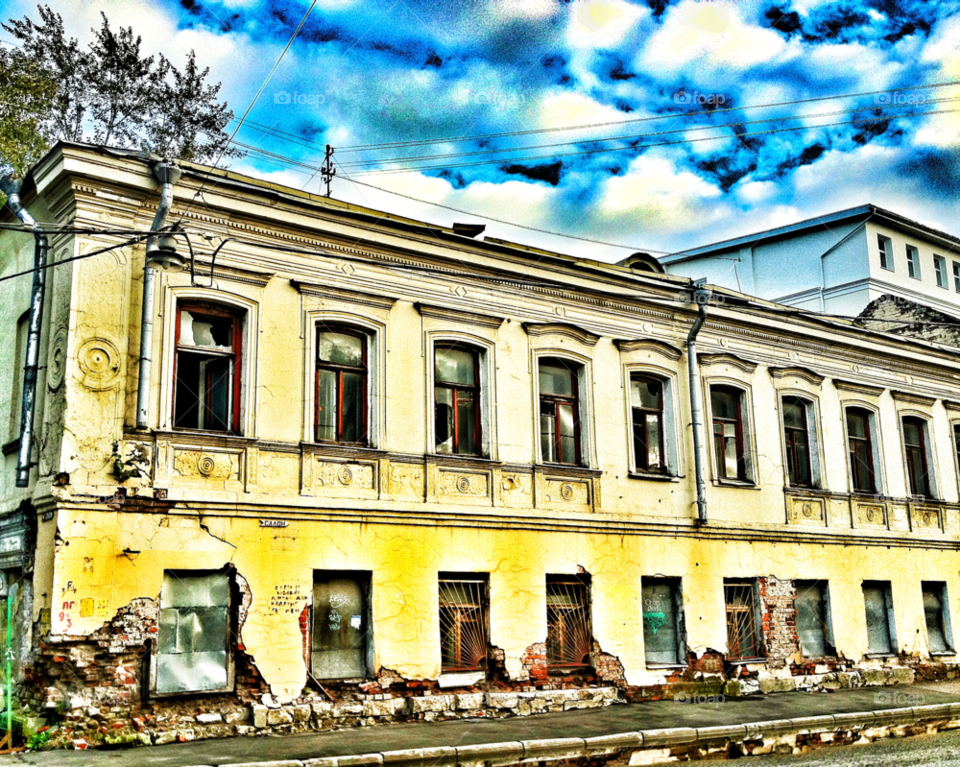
column 333, row 466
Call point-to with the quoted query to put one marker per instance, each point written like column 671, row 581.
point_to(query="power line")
column 390, row 171
column 363, row 163
column 52, row 264
column 420, row 142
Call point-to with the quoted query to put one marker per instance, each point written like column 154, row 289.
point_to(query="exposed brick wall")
column 534, row 661
column 779, row 620
column 901, row 311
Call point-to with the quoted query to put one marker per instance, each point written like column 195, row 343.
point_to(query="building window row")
column 194, row 632
column 885, row 249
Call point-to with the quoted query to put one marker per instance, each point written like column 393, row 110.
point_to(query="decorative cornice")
column 952, row 405
column 858, row 388
column 726, row 358
column 458, row 315
column 805, row 373
column 913, row 399
column 584, row 337
column 343, row 294
column 232, row 273
column 649, row 345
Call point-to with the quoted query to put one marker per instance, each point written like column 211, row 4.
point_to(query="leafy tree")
column 51, row 89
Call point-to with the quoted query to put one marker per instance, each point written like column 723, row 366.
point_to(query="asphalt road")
column 919, row 751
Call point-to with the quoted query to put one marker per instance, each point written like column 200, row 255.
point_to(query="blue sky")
column 368, row 72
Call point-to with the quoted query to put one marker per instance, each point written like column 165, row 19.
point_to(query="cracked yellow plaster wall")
column 404, row 562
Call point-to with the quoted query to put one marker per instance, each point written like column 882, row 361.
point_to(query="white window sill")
column 664, row 666
column 748, row 662
column 653, row 476
column 879, row 655
column 943, row 654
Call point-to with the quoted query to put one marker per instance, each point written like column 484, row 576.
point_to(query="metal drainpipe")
column 702, row 299
column 28, row 406
column 167, row 174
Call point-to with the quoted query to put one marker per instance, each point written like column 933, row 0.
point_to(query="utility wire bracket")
column 327, row 171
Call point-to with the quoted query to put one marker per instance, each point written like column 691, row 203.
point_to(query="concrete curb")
column 567, row 748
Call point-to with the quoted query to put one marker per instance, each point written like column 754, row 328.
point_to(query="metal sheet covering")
column 811, row 619
column 340, row 627
column 660, row 624
column 192, row 636
column 876, row 599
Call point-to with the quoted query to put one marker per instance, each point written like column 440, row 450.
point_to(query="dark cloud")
column 549, row 172
column 808, row 156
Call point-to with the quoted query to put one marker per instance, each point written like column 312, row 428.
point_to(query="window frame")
column 230, row 638
column 582, row 583
column 887, row 588
column 910, row 453
column 576, row 370
column 318, row 365
column 871, row 440
column 828, row 641
column 675, row 585
column 482, row 580
column 476, row 388
column 913, row 262
column 741, row 434
column 885, row 248
column 753, row 610
column 956, row 275
column 212, row 309
column 946, row 627
column 661, row 413
column 789, row 434
column 940, row 271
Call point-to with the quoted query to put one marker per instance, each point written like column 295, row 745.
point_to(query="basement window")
column 881, row 629
column 206, row 393
column 341, row 625
column 464, row 613
column 813, row 620
column 193, row 634
column 743, row 626
column 569, row 631
column 935, row 611
column 662, row 607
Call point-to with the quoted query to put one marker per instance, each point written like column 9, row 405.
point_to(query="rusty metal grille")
column 741, row 620
column 463, row 625
column 569, row 636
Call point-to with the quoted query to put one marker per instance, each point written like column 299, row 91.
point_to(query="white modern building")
column 837, row 263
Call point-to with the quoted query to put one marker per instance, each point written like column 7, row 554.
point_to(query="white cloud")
column 601, row 24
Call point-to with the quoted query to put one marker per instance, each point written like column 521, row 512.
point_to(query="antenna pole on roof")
column 327, row 171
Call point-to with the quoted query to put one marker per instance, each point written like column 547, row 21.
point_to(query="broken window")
column 341, row 386
column 797, row 438
column 881, row 634
column 743, row 635
column 662, row 631
column 457, row 382
column 813, row 619
column 939, row 634
column 569, row 633
column 861, row 450
column 206, row 393
column 193, row 634
column 559, row 412
column 463, row 622
column 915, row 447
column 646, row 399
column 727, row 406
column 340, row 648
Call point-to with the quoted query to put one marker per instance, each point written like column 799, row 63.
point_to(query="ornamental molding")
column 952, row 405
column 564, row 329
column 458, row 316
column 858, row 388
column 344, row 294
column 232, row 273
column 799, row 372
column 649, row 345
column 726, row 358
column 910, row 398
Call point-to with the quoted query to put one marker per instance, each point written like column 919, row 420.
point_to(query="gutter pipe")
column 167, row 174
column 28, row 406
column 702, row 298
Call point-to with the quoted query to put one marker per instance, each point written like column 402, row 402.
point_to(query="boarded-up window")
column 193, row 632
column 463, row 622
column 934, row 610
column 813, row 619
column 662, row 630
column 878, row 601
column 569, row 634
column 340, row 624
column 743, row 639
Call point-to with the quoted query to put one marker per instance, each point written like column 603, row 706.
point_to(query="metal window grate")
column 569, row 636
column 741, row 620
column 463, row 625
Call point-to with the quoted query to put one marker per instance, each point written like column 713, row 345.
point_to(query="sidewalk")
column 639, row 726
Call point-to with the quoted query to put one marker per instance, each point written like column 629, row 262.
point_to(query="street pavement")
column 581, row 723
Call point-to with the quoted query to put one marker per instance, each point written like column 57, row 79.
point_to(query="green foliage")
column 38, row 740
column 109, row 93
column 124, row 469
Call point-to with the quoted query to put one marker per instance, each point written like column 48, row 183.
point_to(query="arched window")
column 796, row 434
column 726, row 403
column 860, row 443
column 457, row 391
column 915, row 447
column 206, row 393
column 560, row 440
column 341, row 386
column 647, row 405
